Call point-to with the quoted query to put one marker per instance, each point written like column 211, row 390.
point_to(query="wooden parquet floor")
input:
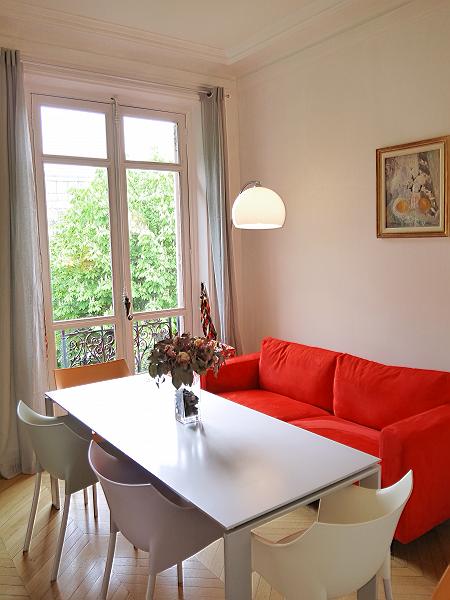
column 416, row 566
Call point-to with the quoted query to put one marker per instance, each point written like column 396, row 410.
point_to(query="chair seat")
column 284, row 540
column 291, row 537
column 275, row 405
column 348, row 433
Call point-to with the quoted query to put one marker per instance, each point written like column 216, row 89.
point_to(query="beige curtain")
column 219, row 217
column 22, row 349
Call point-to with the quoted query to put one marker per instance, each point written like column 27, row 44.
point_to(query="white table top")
column 239, row 465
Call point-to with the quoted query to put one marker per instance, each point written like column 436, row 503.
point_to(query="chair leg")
column 85, row 496
column 385, row 573
column 62, row 533
column 180, row 573
column 109, row 560
column 94, row 500
column 388, row 589
column 150, row 586
column 34, row 504
column 54, row 486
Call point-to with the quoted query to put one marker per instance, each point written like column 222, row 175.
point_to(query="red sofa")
column 400, row 414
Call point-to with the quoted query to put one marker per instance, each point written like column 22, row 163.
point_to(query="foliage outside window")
column 80, row 247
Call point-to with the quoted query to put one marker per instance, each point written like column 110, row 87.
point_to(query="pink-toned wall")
column 309, row 128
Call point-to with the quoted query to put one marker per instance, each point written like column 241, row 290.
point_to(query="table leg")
column 238, row 565
column 372, row 481
column 54, row 486
column 369, row 591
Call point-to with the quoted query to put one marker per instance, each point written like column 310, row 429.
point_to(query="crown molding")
column 295, row 21
column 21, row 10
column 61, row 38
column 311, row 29
column 56, row 38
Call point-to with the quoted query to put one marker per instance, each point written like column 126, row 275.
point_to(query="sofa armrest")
column 420, row 443
column 239, row 373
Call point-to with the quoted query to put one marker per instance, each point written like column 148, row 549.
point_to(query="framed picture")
column 412, row 189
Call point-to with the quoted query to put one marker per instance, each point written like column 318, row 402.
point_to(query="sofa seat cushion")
column 353, row 435
column 377, row 395
column 274, row 405
column 301, row 372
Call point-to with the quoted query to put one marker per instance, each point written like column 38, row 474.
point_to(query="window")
column 114, row 224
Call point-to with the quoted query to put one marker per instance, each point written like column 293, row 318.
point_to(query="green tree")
column 80, row 247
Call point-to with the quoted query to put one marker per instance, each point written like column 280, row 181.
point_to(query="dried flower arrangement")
column 183, row 355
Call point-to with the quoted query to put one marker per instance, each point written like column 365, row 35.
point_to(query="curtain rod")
column 201, row 89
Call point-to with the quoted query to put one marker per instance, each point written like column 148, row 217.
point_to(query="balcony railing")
column 146, row 333
column 91, row 345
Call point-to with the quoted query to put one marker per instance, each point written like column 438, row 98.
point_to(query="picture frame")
column 412, row 189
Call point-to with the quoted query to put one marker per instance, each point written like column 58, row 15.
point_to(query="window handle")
column 127, row 304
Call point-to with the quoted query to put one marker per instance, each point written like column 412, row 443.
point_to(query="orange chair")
column 113, row 369
column 442, row 592
column 71, row 377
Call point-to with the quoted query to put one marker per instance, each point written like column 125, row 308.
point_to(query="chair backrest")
column 442, row 592
column 332, row 560
column 346, row 506
column 137, row 506
column 113, row 369
column 59, row 450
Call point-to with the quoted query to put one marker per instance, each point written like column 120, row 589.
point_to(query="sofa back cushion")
column 301, row 372
column 377, row 395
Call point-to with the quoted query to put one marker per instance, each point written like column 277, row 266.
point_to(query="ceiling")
column 222, row 39
column 225, row 25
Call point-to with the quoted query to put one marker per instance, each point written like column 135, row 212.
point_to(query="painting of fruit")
column 412, row 194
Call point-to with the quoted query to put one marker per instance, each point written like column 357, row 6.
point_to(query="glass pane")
column 146, row 333
column 73, row 132
column 85, row 346
column 150, row 140
column 154, row 259
column 79, row 241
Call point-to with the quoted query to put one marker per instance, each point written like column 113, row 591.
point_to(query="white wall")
column 309, row 128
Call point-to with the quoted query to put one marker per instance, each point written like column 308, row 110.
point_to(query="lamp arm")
column 254, row 183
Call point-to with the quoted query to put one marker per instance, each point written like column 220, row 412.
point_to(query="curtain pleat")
column 22, row 333
column 219, row 218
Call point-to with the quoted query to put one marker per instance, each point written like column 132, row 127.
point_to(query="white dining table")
column 239, row 466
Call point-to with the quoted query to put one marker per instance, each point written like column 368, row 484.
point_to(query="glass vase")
column 187, row 400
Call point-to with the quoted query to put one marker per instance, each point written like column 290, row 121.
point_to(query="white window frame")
column 182, row 213
column 117, row 189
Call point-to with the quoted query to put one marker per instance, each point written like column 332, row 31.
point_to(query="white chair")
column 150, row 516
column 356, row 504
column 63, row 452
column 332, row 559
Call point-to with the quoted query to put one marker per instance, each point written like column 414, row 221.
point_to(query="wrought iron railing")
column 87, row 346
column 146, row 333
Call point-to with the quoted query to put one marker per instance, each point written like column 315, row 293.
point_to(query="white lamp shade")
column 258, row 208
